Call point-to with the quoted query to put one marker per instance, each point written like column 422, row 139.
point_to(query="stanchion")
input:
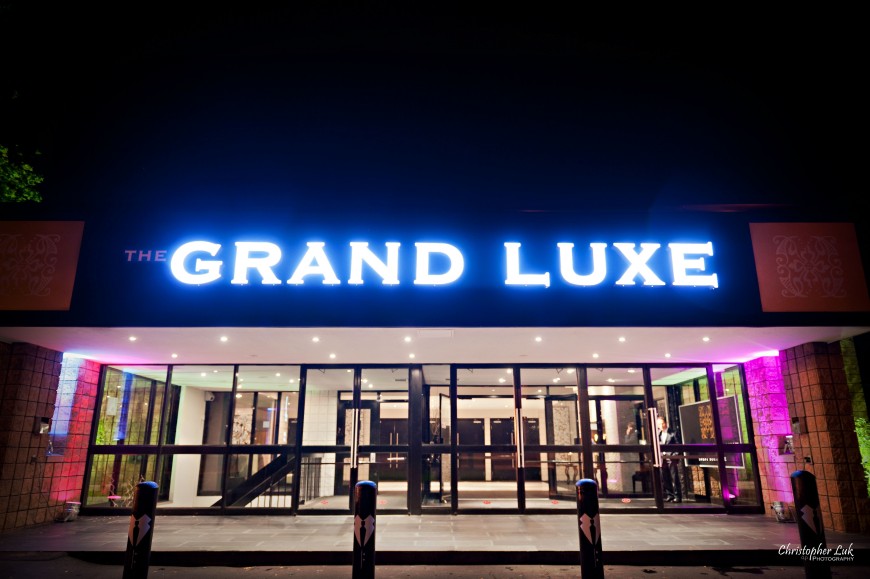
column 141, row 531
column 365, row 496
column 589, row 521
column 810, row 528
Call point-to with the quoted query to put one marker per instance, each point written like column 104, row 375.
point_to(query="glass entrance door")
column 486, row 440
column 551, row 438
column 619, row 450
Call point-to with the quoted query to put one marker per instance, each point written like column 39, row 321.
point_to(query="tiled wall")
column 818, row 396
column 33, row 485
column 28, row 378
column 770, row 418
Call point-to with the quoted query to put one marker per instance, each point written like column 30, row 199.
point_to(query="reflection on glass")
column 113, row 479
column 131, row 406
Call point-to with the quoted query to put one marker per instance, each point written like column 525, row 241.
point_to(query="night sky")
column 306, row 107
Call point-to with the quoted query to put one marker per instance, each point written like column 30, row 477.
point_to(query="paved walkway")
column 669, row 539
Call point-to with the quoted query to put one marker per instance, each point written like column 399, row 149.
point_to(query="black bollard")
column 809, row 520
column 365, row 496
column 591, row 566
column 141, row 531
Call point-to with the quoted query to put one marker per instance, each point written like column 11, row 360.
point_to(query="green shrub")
column 862, row 429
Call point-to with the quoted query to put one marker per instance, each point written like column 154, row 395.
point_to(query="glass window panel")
column 200, row 400
column 325, row 481
column 271, row 397
column 328, row 392
column 436, row 390
column 384, row 397
column 113, row 479
column 436, row 480
column 555, row 487
column 682, row 399
column 131, row 404
column 478, row 488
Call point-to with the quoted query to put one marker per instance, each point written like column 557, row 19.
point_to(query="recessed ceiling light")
column 224, row 338
column 214, row 371
column 132, row 338
column 202, row 374
column 371, row 385
column 631, row 370
column 349, row 370
column 705, row 339
column 556, row 380
column 332, row 356
column 539, row 339
column 667, row 355
column 277, row 373
column 315, row 339
column 621, row 338
column 407, row 338
column 510, row 370
column 412, row 356
column 175, row 355
column 238, row 395
column 595, row 355
column 611, row 380
column 570, row 370
column 501, row 380
column 365, row 380
column 292, row 380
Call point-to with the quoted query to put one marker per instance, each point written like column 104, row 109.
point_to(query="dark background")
column 302, row 120
column 440, row 106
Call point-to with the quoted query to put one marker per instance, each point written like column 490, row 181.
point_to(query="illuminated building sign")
column 626, row 264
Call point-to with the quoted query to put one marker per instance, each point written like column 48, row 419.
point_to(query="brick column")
column 819, row 398
column 28, row 382
column 769, row 409
column 33, row 484
column 80, row 379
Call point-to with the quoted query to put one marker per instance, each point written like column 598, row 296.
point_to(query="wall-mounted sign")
column 204, row 262
column 696, row 423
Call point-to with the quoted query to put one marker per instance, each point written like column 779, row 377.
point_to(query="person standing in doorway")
column 630, row 434
column 671, row 465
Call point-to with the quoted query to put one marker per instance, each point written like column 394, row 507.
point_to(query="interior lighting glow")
column 570, row 370
column 315, row 339
column 224, row 339
column 202, row 374
column 407, row 338
column 277, row 373
column 175, row 355
column 595, row 355
column 622, row 338
column 667, row 355
column 502, row 380
column 411, row 356
column 705, row 339
column 611, row 380
column 538, row 339
column 332, row 356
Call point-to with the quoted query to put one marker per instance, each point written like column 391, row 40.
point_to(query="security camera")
column 209, row 396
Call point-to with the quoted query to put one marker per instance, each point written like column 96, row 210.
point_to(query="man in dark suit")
column 671, row 465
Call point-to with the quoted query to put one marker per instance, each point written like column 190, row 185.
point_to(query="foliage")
column 18, row 179
column 862, row 429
